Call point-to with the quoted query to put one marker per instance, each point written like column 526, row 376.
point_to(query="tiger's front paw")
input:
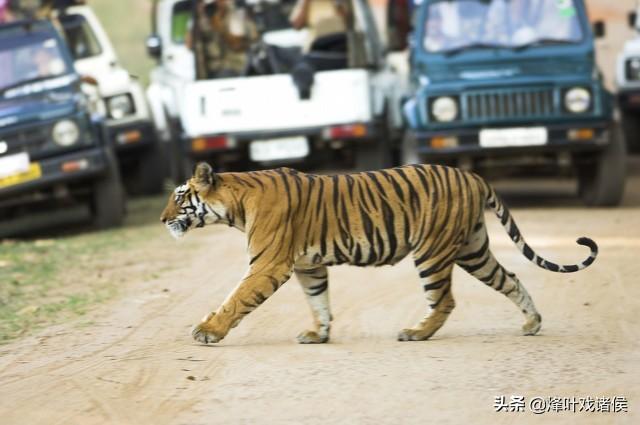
column 311, row 337
column 203, row 332
column 413, row 335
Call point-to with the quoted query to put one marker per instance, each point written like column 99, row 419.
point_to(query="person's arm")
column 220, row 24
column 299, row 14
column 344, row 10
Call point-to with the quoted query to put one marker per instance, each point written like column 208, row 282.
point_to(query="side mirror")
column 154, row 46
column 599, row 29
column 632, row 17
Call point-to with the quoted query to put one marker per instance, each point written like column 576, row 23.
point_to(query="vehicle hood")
column 501, row 69
column 112, row 79
column 37, row 107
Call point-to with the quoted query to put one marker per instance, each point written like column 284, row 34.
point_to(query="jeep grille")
column 506, row 104
column 27, row 140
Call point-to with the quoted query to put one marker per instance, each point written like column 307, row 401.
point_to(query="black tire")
column 631, row 127
column 176, row 156
column 601, row 183
column 108, row 198
column 377, row 153
column 149, row 175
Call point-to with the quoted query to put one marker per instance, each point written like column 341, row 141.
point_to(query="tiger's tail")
column 494, row 202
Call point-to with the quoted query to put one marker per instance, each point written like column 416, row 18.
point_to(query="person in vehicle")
column 226, row 34
column 6, row 15
column 323, row 18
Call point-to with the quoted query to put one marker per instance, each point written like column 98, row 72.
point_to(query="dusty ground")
column 136, row 362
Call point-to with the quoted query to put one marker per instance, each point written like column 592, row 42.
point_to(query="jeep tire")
column 108, row 198
column 375, row 154
column 149, row 175
column 601, row 183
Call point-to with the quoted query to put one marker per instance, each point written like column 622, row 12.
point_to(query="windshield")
column 31, row 61
column 81, row 39
column 456, row 25
column 181, row 21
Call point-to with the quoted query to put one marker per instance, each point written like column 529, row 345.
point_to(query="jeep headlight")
column 632, row 69
column 577, row 100
column 444, row 109
column 120, row 106
column 66, row 133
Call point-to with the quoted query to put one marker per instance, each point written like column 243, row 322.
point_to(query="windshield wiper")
column 541, row 42
column 472, row 46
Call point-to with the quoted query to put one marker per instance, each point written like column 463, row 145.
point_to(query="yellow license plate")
column 34, row 172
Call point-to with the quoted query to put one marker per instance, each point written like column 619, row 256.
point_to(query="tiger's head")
column 195, row 203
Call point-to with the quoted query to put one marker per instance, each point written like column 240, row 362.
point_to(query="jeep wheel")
column 601, row 183
column 175, row 153
column 148, row 177
column 631, row 128
column 108, row 199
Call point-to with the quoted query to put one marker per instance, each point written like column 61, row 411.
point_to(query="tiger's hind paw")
column 311, row 337
column 532, row 326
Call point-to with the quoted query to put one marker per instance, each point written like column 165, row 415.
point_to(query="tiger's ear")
column 204, row 178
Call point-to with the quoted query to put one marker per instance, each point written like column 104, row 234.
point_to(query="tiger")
column 298, row 223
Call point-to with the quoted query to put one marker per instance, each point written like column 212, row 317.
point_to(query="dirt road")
column 136, row 362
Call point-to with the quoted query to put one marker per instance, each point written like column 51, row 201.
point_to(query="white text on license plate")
column 276, row 149
column 14, row 164
column 509, row 137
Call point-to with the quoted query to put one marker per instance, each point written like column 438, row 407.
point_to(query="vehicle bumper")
column 63, row 169
column 468, row 141
column 319, row 138
column 131, row 136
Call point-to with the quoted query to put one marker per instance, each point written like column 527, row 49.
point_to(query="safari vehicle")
column 628, row 84
column 131, row 131
column 53, row 149
column 270, row 114
column 511, row 88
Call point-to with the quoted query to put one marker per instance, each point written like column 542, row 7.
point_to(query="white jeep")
column 128, row 119
column 263, row 116
column 628, row 85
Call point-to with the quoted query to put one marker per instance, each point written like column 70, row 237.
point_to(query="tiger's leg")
column 476, row 258
column 315, row 285
column 436, row 277
column 258, row 285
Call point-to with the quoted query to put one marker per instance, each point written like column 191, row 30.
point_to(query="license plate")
column 275, row 149
column 33, row 172
column 510, row 137
column 14, row 164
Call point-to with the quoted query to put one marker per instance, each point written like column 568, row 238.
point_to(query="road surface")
column 135, row 362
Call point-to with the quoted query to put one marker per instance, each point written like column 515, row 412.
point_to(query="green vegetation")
column 34, row 277
column 46, row 281
column 128, row 23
